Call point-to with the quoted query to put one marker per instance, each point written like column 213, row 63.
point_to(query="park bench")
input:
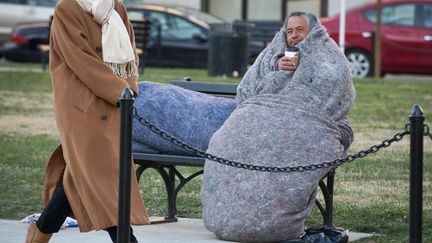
column 167, row 165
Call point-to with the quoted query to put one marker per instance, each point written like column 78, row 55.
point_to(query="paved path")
column 184, row 231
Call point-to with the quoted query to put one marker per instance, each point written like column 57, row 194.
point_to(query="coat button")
column 104, row 117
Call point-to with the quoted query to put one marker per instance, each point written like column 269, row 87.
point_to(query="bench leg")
column 329, row 204
column 327, row 192
column 169, row 181
column 171, row 197
column 169, row 175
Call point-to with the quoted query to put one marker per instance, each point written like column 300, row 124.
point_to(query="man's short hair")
column 310, row 18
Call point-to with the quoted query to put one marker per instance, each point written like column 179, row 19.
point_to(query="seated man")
column 288, row 112
column 282, row 119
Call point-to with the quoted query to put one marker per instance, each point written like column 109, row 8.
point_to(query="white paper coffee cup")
column 291, row 51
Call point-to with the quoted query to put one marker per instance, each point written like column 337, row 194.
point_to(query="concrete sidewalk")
column 184, row 231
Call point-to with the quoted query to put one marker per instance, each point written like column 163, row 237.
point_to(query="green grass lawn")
column 371, row 194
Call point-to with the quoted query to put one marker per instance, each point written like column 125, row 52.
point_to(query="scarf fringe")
column 124, row 70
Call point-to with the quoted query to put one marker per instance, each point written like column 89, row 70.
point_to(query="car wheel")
column 360, row 63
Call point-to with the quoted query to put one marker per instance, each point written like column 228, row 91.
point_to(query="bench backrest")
column 208, row 88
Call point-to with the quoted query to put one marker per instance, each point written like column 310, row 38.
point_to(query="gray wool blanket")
column 190, row 116
column 281, row 119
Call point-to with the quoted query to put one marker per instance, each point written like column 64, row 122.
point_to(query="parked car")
column 406, row 35
column 25, row 40
column 17, row 11
column 184, row 37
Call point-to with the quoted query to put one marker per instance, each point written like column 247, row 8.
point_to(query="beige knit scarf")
column 117, row 49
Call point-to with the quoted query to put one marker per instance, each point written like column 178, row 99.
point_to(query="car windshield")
column 205, row 17
column 44, row 3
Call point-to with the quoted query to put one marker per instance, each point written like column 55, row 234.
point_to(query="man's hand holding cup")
column 290, row 60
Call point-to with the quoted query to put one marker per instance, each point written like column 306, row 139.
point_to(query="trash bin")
column 228, row 51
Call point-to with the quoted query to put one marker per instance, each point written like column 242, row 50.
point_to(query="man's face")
column 297, row 29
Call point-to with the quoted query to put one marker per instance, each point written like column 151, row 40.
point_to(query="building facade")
column 263, row 9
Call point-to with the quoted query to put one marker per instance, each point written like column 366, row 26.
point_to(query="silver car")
column 17, row 11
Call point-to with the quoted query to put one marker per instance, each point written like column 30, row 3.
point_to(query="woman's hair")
column 310, row 18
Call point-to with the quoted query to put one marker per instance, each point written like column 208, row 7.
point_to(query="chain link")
column 363, row 153
column 427, row 133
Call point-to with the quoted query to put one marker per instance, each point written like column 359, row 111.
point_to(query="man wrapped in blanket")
column 289, row 112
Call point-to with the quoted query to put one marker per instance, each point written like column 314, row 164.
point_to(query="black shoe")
column 112, row 231
column 324, row 234
column 133, row 239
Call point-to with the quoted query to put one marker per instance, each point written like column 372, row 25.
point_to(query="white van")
column 17, row 11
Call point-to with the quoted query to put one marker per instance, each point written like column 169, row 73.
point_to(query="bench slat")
column 208, row 88
column 168, row 159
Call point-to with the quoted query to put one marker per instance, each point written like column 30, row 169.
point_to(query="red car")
column 406, row 37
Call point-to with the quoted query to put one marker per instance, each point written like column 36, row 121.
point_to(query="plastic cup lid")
column 292, row 49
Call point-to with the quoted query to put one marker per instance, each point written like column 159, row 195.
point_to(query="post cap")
column 416, row 111
column 127, row 94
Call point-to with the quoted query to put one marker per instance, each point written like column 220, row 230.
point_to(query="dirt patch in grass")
column 365, row 139
column 40, row 123
column 27, row 100
column 29, row 125
column 394, row 192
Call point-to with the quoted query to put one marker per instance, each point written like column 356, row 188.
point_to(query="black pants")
column 56, row 212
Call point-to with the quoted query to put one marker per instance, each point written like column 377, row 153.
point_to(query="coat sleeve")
column 70, row 41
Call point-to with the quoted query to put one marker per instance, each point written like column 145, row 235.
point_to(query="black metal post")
column 371, row 35
column 123, row 228
column 324, row 8
column 244, row 10
column 205, row 6
column 416, row 174
column 283, row 10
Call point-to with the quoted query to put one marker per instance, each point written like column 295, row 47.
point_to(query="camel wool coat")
column 85, row 93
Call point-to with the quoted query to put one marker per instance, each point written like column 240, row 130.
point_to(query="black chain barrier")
column 349, row 158
column 427, row 133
